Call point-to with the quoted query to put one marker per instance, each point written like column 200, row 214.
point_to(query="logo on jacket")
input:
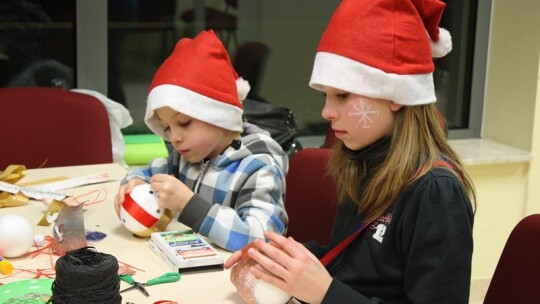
column 380, row 226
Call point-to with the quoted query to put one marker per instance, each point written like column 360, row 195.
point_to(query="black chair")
column 249, row 62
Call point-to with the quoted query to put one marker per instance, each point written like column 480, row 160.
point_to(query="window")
column 142, row 33
column 37, row 43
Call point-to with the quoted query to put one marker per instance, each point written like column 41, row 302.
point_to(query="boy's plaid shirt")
column 238, row 195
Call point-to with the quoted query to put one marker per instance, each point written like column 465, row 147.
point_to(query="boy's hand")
column 123, row 190
column 171, row 193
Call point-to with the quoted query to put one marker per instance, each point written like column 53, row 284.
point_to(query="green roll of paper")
column 140, row 149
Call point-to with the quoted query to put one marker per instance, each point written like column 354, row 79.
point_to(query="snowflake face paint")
column 358, row 120
column 364, row 112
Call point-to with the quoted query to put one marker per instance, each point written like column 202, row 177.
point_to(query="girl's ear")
column 395, row 106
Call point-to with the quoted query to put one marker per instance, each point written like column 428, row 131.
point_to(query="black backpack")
column 279, row 121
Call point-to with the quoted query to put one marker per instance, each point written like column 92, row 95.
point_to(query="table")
column 205, row 286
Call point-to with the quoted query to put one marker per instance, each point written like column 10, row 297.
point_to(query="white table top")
column 205, row 286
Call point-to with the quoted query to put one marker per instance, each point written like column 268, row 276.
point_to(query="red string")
column 125, row 264
column 100, row 196
column 49, row 272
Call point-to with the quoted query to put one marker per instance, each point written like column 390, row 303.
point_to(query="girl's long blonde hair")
column 418, row 141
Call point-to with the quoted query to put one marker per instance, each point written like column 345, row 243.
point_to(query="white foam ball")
column 140, row 210
column 16, row 235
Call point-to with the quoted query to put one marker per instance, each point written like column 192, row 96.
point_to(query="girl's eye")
column 324, row 95
column 184, row 124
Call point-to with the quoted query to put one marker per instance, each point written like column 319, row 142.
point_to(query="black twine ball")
column 86, row 276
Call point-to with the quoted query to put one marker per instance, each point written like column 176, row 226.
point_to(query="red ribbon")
column 138, row 213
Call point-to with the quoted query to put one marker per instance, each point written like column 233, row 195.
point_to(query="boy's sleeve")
column 259, row 206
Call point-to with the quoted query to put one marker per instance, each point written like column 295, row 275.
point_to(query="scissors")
column 168, row 277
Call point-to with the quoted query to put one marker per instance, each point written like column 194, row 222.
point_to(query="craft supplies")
column 5, row 266
column 68, row 232
column 31, row 291
column 86, row 276
column 185, row 250
column 251, row 289
column 169, row 277
column 141, row 213
column 16, row 235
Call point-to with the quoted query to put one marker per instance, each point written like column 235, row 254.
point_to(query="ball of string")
column 86, row 276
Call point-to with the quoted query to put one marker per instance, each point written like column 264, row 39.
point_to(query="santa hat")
column 382, row 49
column 198, row 80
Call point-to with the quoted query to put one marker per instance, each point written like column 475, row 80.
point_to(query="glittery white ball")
column 16, row 235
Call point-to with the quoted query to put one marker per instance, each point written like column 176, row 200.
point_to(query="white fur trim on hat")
column 242, row 87
column 190, row 103
column 352, row 76
column 443, row 46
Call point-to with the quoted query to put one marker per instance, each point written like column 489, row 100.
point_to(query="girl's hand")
column 292, row 267
column 235, row 257
column 123, row 190
column 171, row 193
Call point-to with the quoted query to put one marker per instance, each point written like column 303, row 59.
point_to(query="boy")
column 229, row 176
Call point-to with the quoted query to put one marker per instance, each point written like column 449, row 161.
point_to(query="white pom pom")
column 443, row 46
column 242, row 88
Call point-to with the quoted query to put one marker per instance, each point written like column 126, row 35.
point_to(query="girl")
column 403, row 231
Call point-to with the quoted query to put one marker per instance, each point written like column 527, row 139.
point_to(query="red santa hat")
column 382, row 49
column 198, row 80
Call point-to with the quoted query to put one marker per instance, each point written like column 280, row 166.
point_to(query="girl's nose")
column 328, row 112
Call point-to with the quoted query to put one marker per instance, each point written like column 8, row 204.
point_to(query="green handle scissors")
column 168, row 277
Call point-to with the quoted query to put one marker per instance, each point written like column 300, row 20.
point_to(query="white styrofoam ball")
column 265, row 293
column 16, row 235
column 140, row 210
column 251, row 289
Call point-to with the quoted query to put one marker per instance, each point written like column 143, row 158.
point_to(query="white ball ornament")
column 141, row 213
column 251, row 289
column 16, row 235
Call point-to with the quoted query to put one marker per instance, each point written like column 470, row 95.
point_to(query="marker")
column 5, row 266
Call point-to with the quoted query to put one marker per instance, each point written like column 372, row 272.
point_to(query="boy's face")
column 195, row 140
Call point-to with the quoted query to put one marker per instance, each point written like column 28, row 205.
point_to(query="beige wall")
column 508, row 192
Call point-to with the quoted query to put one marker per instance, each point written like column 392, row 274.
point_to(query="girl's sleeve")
column 258, row 207
column 437, row 242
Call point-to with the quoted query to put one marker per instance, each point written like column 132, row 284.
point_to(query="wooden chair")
column 516, row 278
column 51, row 127
column 311, row 196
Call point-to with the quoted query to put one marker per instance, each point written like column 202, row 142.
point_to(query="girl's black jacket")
column 419, row 252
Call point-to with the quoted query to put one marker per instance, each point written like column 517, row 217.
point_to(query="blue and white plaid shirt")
column 239, row 194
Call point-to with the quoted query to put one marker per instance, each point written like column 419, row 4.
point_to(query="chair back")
column 51, row 127
column 311, row 196
column 517, row 276
column 250, row 61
